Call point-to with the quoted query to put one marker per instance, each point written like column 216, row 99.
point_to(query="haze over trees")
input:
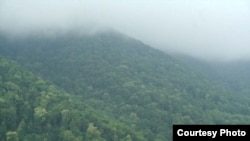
column 108, row 86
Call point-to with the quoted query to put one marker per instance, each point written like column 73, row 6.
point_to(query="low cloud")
column 208, row 29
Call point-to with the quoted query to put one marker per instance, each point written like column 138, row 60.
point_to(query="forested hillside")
column 141, row 87
column 234, row 75
column 35, row 110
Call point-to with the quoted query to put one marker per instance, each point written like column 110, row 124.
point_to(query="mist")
column 207, row 29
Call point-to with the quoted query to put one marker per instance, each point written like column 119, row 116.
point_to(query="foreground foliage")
column 33, row 109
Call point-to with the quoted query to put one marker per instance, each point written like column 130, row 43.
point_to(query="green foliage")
column 127, row 138
column 33, row 109
column 12, row 136
column 93, row 134
column 67, row 135
column 120, row 89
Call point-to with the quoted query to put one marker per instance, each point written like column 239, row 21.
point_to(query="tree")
column 93, row 134
column 67, row 135
column 127, row 138
column 40, row 114
column 12, row 136
column 21, row 129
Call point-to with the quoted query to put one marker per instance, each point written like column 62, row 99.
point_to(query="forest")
column 110, row 87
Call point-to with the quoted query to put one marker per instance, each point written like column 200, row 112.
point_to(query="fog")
column 207, row 29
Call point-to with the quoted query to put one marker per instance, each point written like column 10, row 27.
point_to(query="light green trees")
column 127, row 138
column 40, row 114
column 40, row 117
column 12, row 136
column 67, row 135
column 93, row 134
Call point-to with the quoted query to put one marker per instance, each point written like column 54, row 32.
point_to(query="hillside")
column 35, row 110
column 234, row 75
column 129, row 81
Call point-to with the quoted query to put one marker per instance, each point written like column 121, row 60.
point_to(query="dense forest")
column 108, row 86
column 33, row 109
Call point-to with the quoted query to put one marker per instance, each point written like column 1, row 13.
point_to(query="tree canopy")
column 107, row 87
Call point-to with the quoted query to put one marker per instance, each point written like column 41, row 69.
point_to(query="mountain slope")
column 130, row 81
column 33, row 109
column 233, row 75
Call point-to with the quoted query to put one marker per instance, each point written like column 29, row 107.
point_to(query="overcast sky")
column 209, row 29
